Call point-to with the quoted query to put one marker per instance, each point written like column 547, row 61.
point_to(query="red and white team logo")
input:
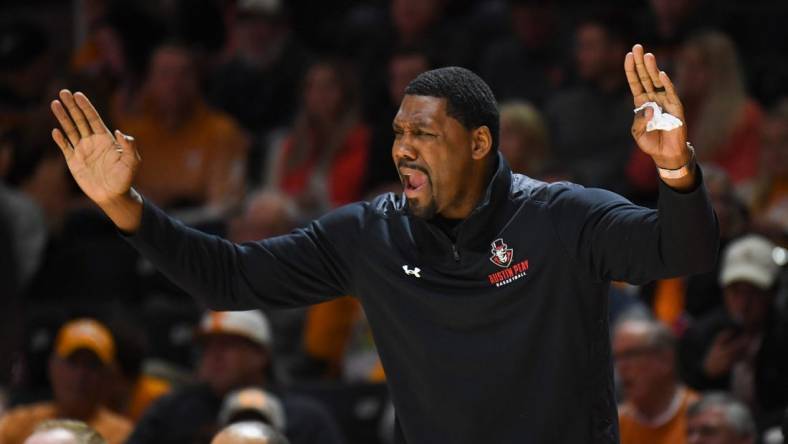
column 502, row 255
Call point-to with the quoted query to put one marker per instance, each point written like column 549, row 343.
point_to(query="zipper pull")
column 455, row 252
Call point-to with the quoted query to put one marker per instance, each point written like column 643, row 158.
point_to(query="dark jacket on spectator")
column 494, row 330
column 189, row 416
column 771, row 361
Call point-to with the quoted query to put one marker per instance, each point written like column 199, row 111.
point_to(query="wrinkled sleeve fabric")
column 613, row 239
column 308, row 266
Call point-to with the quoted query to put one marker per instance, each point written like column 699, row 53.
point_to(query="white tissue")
column 659, row 121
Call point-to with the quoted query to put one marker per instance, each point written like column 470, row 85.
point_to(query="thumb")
column 641, row 120
column 127, row 143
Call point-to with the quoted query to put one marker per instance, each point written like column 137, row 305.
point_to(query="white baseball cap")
column 253, row 399
column 250, row 324
column 750, row 259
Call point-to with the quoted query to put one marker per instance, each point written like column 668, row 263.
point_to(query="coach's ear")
column 481, row 142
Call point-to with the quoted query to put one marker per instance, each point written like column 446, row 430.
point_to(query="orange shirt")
column 202, row 161
column 147, row 390
column 20, row 422
column 669, row 430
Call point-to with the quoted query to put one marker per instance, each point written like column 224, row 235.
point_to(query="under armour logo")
column 414, row 272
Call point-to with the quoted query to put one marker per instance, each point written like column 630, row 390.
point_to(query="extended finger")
column 76, row 114
column 670, row 91
column 651, row 67
column 92, row 116
column 65, row 121
column 632, row 76
column 62, row 143
column 640, row 67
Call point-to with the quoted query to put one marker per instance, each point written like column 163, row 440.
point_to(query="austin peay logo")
column 502, row 256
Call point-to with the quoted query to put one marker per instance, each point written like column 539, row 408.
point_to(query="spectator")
column 524, row 139
column 131, row 391
column 257, row 84
column 235, row 353
column 669, row 23
column 530, row 64
column 725, row 123
column 194, row 155
column 590, row 123
column 249, row 432
column 266, row 213
column 25, row 66
column 741, row 346
column 83, row 354
column 321, row 163
column 403, row 66
column 655, row 400
column 717, row 418
column 64, row 431
column 253, row 404
column 769, row 200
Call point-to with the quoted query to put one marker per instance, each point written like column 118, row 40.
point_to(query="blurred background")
column 255, row 116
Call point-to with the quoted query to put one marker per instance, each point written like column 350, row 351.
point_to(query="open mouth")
column 413, row 180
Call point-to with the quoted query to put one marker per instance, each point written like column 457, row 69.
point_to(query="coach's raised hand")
column 102, row 163
column 668, row 148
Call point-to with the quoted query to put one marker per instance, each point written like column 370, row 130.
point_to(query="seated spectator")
column 717, row 418
column 249, row 432
column 655, row 400
column 83, row 353
column 194, row 155
column 524, row 139
column 322, row 162
column 64, row 431
column 769, row 197
column 590, row 124
column 266, row 213
column 724, row 122
column 235, row 353
column 253, row 404
column 741, row 346
column 258, row 81
column 25, row 67
column 530, row 64
column 131, row 391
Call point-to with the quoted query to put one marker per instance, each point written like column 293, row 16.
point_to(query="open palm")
column 103, row 164
column 649, row 84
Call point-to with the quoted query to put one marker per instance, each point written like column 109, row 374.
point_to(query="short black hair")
column 468, row 98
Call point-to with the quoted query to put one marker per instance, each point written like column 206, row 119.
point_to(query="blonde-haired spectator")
column 524, row 138
column 724, row 121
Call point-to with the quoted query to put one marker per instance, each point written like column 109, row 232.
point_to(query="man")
column 249, row 432
column 655, row 401
column 589, row 122
column 458, row 334
column 740, row 347
column 195, row 155
column 719, row 419
column 78, row 368
column 235, row 353
column 64, row 431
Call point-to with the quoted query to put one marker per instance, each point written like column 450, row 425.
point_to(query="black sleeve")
column 613, row 239
column 308, row 266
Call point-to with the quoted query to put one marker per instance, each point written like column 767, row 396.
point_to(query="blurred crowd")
column 255, row 116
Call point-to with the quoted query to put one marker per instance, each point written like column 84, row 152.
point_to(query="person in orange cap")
column 83, row 354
